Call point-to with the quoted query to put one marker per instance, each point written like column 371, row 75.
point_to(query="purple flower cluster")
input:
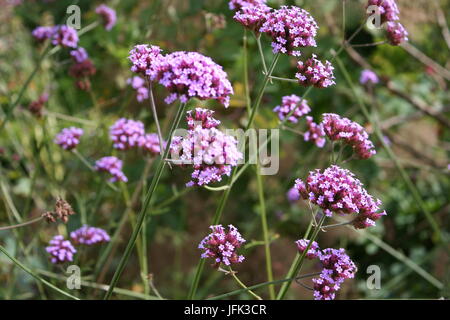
column 290, row 28
column 222, row 245
column 69, row 138
column 89, row 235
column 60, row 250
column 396, row 33
column 387, row 8
column 289, row 104
column 293, row 195
column 351, row 133
column 237, row 5
column 126, row 133
column 252, row 17
column 150, row 143
column 142, row 57
column 113, row 166
column 62, row 35
column 337, row 190
column 315, row 133
column 192, row 75
column 211, row 152
column 368, row 76
column 138, row 84
column 79, row 55
column 314, row 73
column 313, row 251
column 108, row 15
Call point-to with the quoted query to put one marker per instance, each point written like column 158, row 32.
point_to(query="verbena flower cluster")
column 337, row 190
column 313, row 251
column 293, row 195
column 138, row 84
column 126, row 133
column 142, row 57
column 36, row 107
column 89, row 235
column 60, row 250
column 211, row 152
column 239, row 4
column 368, row 76
column 351, row 133
column 252, row 17
column 62, row 35
column 79, row 55
column 108, row 15
column 396, row 33
column 290, row 28
column 113, row 166
column 69, row 138
column 315, row 132
column 150, row 142
column 222, row 245
column 293, row 105
column 313, row 72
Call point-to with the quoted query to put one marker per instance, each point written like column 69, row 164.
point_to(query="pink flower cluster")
column 60, row 250
column 113, row 166
column 69, row 138
column 252, row 17
column 314, row 73
column 142, row 57
column 368, row 76
column 79, row 55
column 211, row 152
column 237, row 5
column 126, row 133
column 351, row 133
column 89, row 235
column 293, row 195
column 396, row 33
column 293, row 105
column 138, row 84
column 290, row 28
column 337, row 190
column 222, row 245
column 62, row 35
column 315, row 133
column 387, row 8
column 313, row 251
column 108, row 15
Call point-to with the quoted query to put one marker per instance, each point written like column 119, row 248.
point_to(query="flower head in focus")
column 293, row 105
column 60, row 250
column 89, row 235
column 252, row 17
column 313, row 251
column 69, row 138
column 143, row 56
column 108, row 15
column 63, row 210
column 315, row 133
column 222, row 245
column 126, row 133
column 290, row 28
column 313, row 72
column 387, row 8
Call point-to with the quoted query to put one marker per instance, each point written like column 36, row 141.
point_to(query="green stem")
column 261, row 53
column 34, row 275
column 415, row 193
column 233, row 274
column 246, row 82
column 298, row 261
column 21, row 224
column 155, row 117
column 148, row 198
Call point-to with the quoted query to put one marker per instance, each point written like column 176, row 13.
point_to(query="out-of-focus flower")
column 314, row 73
column 126, row 133
column 252, row 17
column 315, row 133
column 396, row 33
column 138, row 84
column 42, row 33
column 150, row 142
column 60, row 250
column 211, row 152
column 69, row 138
column 238, row 4
column 81, row 72
column 65, row 36
column 289, row 104
column 368, row 76
column 337, row 190
column 351, row 133
column 79, row 55
column 89, row 235
column 191, row 75
column 222, row 245
column 387, row 8
column 108, row 15
column 313, row 251
column 63, row 210
column 142, row 56
column 113, row 166
column 290, row 28
column 293, row 195
column 36, row 106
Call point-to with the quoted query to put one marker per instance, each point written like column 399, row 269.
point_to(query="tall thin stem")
column 233, row 274
column 155, row 117
column 148, row 198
